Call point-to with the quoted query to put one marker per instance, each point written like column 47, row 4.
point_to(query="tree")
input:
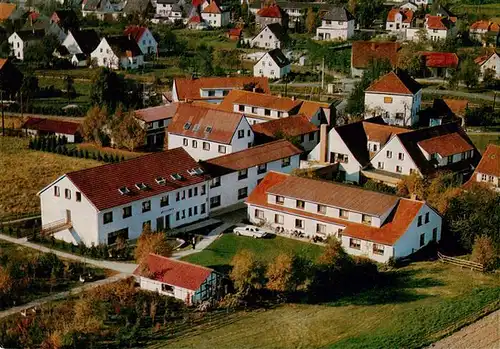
column 410, row 60
column 279, row 274
column 151, row 242
column 95, row 126
column 367, row 11
column 41, row 52
column 6, row 284
column 128, row 133
column 108, row 89
column 247, row 273
column 333, row 253
column 412, row 184
column 310, row 21
column 29, row 88
column 469, row 73
column 69, row 87
column 489, row 78
column 483, row 251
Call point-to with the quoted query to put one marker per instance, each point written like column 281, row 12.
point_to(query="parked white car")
column 250, row 230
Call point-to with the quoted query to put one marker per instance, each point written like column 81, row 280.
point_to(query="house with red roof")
column 433, row 27
column 439, row 64
column 97, row 205
column 396, row 97
column 215, row 15
column 143, row 37
column 187, row 282
column 155, row 120
column 52, row 127
column 488, row 170
column 271, row 14
column 489, row 61
column 367, row 223
column 364, row 52
column 398, row 20
column 483, row 29
column 117, row 52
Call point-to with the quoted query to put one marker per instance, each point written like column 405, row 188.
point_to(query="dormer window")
column 160, row 180
column 187, row 125
column 141, row 186
column 124, row 191
column 241, row 108
column 176, row 176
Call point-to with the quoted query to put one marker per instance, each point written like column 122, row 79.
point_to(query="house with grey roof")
column 102, row 9
column 336, row 24
column 273, row 65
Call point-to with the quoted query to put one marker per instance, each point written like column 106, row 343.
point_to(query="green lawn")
column 424, row 302
column 482, row 140
column 219, row 254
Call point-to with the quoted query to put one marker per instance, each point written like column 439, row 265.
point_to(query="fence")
column 462, row 263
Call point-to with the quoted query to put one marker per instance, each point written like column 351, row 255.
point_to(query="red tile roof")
column 135, row 32
column 160, row 112
column 365, row 51
column 485, row 25
column 395, row 82
column 51, row 125
column 484, row 58
column 310, row 108
column 2, row 62
column 100, row 184
column 490, row 162
column 195, row 19
column 174, row 272
column 436, row 22
column 259, row 100
column 381, row 133
column 407, row 15
column 251, row 157
column 446, row 145
column 440, row 59
column 273, row 11
column 6, row 10
column 190, row 88
column 223, row 124
column 457, row 106
column 402, row 215
column 292, row 126
column 235, row 32
column 212, row 8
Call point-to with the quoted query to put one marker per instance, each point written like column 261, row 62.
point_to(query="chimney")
column 293, row 98
column 323, row 142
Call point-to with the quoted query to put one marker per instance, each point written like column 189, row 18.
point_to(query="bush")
column 484, row 252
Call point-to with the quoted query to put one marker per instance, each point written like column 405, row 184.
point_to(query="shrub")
column 484, row 252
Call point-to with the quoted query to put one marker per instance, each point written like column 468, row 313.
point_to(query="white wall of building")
column 401, row 110
column 389, row 157
column 216, row 20
column 104, row 56
column 18, row 46
column 267, row 67
column 156, row 286
column 492, row 63
column 335, row 30
column 367, row 249
column 265, row 39
column 147, row 43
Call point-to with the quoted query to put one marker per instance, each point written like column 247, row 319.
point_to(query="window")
column 194, row 144
column 280, row 200
column 311, row 136
column 389, row 154
column 259, row 214
column 343, row 213
column 378, row 249
column 242, row 174
column 419, row 221
column 261, row 168
column 399, row 169
column 190, row 212
column 434, row 234
column 278, row 219
column 67, row 193
column 272, row 72
column 299, row 223
column 241, row 107
column 195, row 191
column 185, row 142
column 241, row 134
column 177, row 196
column 267, row 112
column 380, row 165
column 341, row 158
column 146, row 206
column 322, row 209
column 366, row 219
column 107, row 217
column 449, row 159
column 375, row 147
column 202, row 190
column 387, row 100
column 164, row 201
column 321, row 228
column 401, row 156
column 300, row 204
column 127, row 211
column 285, row 162
column 242, row 193
column 490, row 179
column 422, row 239
column 206, row 146
column 222, row 149
column 167, row 288
column 399, row 116
column 215, row 182
column 177, row 216
column 203, row 208
column 211, row 93
column 355, row 243
column 215, row 201
column 483, row 178
column 190, row 192
column 427, row 217
column 160, row 123
column 195, row 209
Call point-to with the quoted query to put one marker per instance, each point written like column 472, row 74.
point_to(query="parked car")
column 250, row 230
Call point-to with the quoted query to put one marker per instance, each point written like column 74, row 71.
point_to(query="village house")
column 144, row 39
column 66, row 19
column 364, row 52
column 273, row 65
column 296, row 127
column 80, row 45
column 432, row 27
column 6, row 10
column 408, row 5
column 448, row 110
column 139, row 8
column 162, row 190
column 367, row 223
column 168, row 10
column 488, row 170
column 424, row 151
column 269, row 15
column 234, row 176
column 215, row 16
column 234, row 34
column 485, row 31
column 270, row 36
column 52, row 127
column 117, row 52
column 439, row 64
column 398, row 20
column 336, row 24
column 395, row 96
column 489, row 61
column 19, row 41
column 214, row 89
column 208, row 133
column 297, row 11
column 187, row 282
column 102, row 9
column 155, row 120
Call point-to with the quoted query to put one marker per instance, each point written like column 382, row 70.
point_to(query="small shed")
column 50, row 127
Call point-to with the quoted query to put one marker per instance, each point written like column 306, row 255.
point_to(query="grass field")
column 424, row 302
column 481, row 140
column 219, row 254
column 24, row 172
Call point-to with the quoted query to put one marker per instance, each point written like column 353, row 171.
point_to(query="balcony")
column 56, row 226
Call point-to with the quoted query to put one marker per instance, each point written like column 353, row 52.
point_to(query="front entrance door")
column 167, row 222
column 68, row 216
column 160, row 226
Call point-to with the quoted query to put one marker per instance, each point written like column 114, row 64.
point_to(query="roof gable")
column 273, row 11
column 52, row 125
column 338, row 14
column 278, row 57
column 292, row 126
column 363, row 52
column 260, row 100
column 397, row 82
column 490, row 162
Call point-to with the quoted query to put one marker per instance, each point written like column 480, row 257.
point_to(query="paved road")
column 126, row 268
column 62, row 295
column 483, row 334
column 468, row 95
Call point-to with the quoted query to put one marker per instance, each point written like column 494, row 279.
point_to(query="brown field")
column 24, row 172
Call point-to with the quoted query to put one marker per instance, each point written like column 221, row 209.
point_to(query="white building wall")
column 71, row 44
column 366, row 249
column 269, row 68
column 486, row 178
column 104, row 56
column 335, row 30
column 492, row 63
column 147, row 43
column 155, row 286
column 395, row 147
column 388, row 105
column 265, row 39
column 18, row 46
